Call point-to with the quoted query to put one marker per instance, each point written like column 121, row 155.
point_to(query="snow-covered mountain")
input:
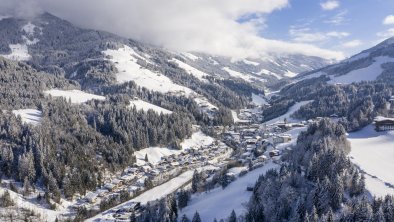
column 56, row 46
column 369, row 65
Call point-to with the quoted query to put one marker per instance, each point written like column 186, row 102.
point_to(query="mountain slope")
column 372, row 64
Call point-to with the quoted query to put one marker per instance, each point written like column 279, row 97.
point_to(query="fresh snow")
column 258, row 100
column 196, row 140
column 155, row 154
column 369, row 73
column 29, row 28
column 219, row 202
column 290, row 74
column 76, row 96
column 288, row 114
column 21, row 202
column 190, row 56
column 373, row 152
column 191, row 70
column 129, row 70
column 19, row 52
column 248, row 62
column 30, row 116
column 267, row 72
column 145, row 106
column 237, row 74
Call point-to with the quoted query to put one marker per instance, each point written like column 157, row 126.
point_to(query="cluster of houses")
column 133, row 179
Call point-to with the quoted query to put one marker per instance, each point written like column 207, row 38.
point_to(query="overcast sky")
column 236, row 28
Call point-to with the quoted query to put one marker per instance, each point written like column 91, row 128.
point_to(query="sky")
column 332, row 29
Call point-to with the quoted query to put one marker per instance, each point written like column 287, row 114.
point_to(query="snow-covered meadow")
column 30, row 116
column 76, row 96
column 373, row 152
column 145, row 106
column 288, row 114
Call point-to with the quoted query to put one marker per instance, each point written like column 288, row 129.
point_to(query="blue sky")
column 352, row 26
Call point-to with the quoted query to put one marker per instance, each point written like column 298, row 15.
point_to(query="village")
column 249, row 143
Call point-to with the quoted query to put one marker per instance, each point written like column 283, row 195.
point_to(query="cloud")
column 306, row 35
column 337, row 19
column 192, row 25
column 329, row 5
column 386, row 34
column 352, row 44
column 389, row 20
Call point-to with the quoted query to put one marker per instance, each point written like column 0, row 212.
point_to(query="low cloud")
column 306, row 35
column 329, row 5
column 203, row 26
column 386, row 34
column 352, row 44
column 389, row 20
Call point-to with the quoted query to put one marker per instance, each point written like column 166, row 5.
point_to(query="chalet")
column 384, row 124
column 91, row 197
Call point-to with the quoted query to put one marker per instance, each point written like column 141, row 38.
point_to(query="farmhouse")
column 384, row 124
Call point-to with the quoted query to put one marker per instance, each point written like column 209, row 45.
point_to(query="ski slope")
column 191, row 70
column 197, row 140
column 258, row 100
column 76, row 96
column 145, row 106
column 369, row 73
column 219, row 202
column 373, row 152
column 30, row 116
column 125, row 60
column 288, row 114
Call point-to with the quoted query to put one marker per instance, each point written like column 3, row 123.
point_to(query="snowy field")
column 21, row 202
column 76, row 96
column 19, row 52
column 248, row 62
column 258, row 100
column 125, row 60
column 191, row 70
column 30, row 116
column 369, row 73
column 219, row 202
column 145, row 106
column 288, row 114
column 267, row 72
column 239, row 75
column 155, row 154
column 373, row 152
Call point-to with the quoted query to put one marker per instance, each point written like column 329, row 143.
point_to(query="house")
column 384, row 124
column 274, row 153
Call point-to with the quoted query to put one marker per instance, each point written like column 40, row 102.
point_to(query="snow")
column 358, row 57
column 250, row 62
column 258, row 100
column 237, row 74
column 190, row 56
column 202, row 101
column 30, row 116
column 20, row 202
column 290, row 74
column 373, row 152
column 76, row 96
column 145, row 106
column 314, row 75
column 294, row 133
column 155, row 154
column 237, row 170
column 29, row 28
column 267, row 72
column 369, row 73
column 129, row 70
column 196, row 140
column 19, row 52
column 288, row 114
column 219, row 202
column 191, row 70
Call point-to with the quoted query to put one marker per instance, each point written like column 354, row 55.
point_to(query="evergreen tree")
column 196, row 217
column 233, row 217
